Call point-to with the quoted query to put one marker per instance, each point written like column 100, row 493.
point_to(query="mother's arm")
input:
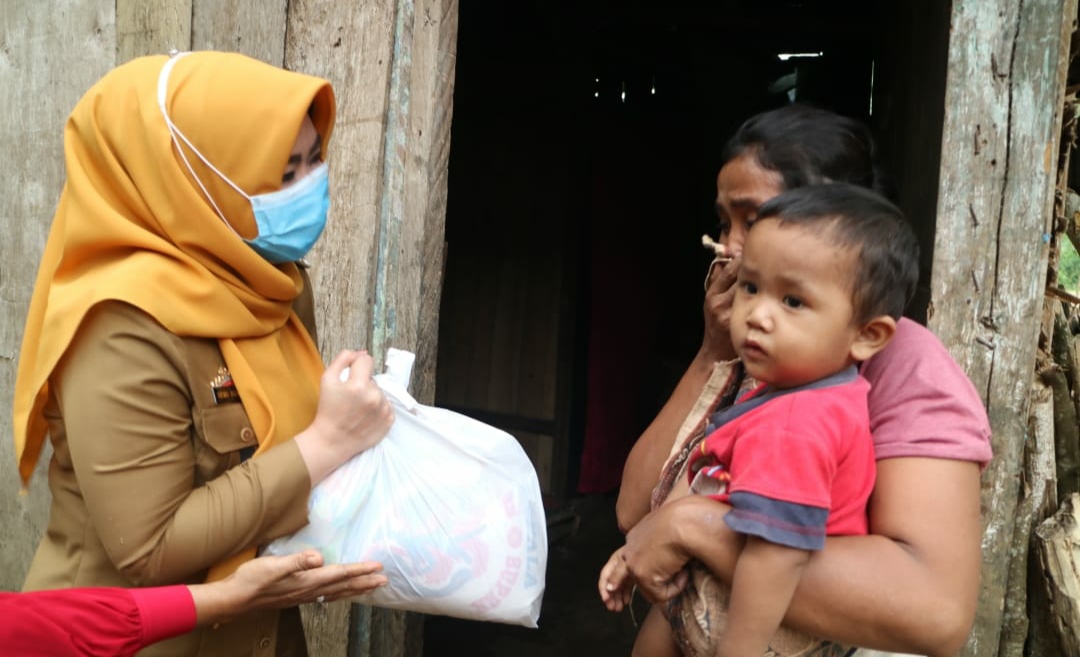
column 642, row 469
column 910, row 586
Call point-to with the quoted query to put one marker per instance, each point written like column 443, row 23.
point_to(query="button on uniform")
column 247, row 435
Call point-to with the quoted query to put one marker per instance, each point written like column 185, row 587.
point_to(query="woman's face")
column 741, row 187
column 306, row 154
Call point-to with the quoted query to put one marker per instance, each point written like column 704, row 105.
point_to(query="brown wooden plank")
column 539, row 344
column 540, row 449
column 909, row 107
column 42, row 76
column 351, row 46
column 253, row 27
column 999, row 155
column 432, row 91
column 149, row 28
column 482, row 303
column 513, row 320
column 379, row 268
column 1056, row 540
column 1038, row 501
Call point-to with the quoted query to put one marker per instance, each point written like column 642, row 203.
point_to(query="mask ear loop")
column 177, row 136
column 721, row 253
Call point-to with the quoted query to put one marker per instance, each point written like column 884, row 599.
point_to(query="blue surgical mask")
column 289, row 220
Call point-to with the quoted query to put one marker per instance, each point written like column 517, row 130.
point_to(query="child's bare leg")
column 654, row 637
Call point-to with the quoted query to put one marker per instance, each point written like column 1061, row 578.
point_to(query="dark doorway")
column 584, row 150
column 585, row 144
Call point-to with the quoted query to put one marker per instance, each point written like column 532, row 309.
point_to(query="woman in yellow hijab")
column 164, row 357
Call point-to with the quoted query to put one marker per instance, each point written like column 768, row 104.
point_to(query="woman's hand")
column 274, row 582
column 353, row 415
column 659, row 546
column 646, row 459
column 719, row 294
column 353, row 410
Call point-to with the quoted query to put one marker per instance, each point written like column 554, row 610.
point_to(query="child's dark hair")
column 856, row 218
column 808, row 145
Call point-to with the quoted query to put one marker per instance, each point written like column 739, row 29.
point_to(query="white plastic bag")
column 449, row 505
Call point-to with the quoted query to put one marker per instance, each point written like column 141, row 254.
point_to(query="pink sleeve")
column 921, row 402
column 92, row 622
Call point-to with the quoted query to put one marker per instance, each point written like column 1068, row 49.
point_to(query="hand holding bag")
column 449, row 505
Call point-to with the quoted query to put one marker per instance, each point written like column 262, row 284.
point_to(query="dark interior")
column 585, row 144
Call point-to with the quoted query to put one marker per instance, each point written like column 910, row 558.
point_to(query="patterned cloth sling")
column 698, row 614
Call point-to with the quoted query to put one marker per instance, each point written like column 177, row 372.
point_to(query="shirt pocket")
column 226, row 440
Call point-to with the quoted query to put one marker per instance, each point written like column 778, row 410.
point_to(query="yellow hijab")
column 133, row 225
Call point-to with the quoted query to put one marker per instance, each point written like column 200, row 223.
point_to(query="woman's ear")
column 872, row 337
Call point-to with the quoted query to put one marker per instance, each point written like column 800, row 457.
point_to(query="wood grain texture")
column 253, row 27
column 1021, row 620
column 47, row 61
column 432, row 93
column 350, row 46
column 150, row 28
column 377, row 271
column 1006, row 66
column 1058, row 541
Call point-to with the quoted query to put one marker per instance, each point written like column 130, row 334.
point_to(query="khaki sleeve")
column 124, row 395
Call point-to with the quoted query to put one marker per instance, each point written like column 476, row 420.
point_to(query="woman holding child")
column 909, row 585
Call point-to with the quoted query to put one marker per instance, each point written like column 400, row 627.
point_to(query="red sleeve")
column 166, row 611
column 92, row 622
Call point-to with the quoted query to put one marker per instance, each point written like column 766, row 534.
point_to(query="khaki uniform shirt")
column 151, row 478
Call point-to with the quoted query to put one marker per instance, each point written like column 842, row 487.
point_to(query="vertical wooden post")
column 42, row 76
column 1006, row 70
column 378, row 269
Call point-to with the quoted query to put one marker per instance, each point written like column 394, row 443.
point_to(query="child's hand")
column 616, row 586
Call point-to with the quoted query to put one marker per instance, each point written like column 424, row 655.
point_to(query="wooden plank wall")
column 45, row 66
column 908, row 110
column 1006, row 67
column 510, row 265
column 378, row 268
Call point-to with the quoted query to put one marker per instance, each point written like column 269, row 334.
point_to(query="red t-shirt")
column 795, row 467
column 92, row 622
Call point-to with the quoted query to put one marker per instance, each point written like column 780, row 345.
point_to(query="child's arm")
column 766, row 575
column 616, row 585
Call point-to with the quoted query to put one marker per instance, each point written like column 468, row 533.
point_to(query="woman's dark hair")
column 808, row 145
column 855, row 218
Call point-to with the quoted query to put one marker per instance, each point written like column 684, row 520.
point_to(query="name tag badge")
column 224, row 388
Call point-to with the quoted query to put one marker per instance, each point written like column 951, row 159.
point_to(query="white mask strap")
column 177, row 136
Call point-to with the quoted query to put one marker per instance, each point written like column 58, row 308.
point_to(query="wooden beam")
column 998, row 173
column 43, row 75
column 1058, row 542
column 151, row 28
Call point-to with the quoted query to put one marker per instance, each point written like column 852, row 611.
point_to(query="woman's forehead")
column 743, row 180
